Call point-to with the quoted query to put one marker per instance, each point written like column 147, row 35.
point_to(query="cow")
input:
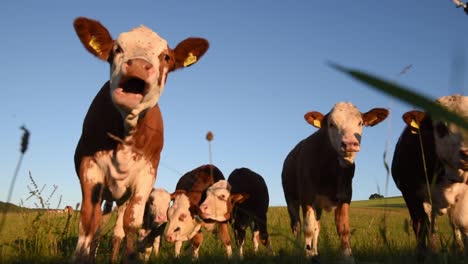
column 184, row 221
column 154, row 224
column 117, row 155
column 317, row 173
column 429, row 167
column 244, row 202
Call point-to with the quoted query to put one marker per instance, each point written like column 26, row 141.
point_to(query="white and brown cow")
column 118, row 153
column 184, row 221
column 432, row 154
column 244, row 201
column 154, row 223
column 317, row 173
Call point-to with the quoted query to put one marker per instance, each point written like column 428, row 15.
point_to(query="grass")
column 380, row 233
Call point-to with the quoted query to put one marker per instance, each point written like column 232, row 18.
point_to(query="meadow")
column 380, row 233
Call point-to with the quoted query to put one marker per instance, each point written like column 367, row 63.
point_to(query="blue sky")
column 266, row 67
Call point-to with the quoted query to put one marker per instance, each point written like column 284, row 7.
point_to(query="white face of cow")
column 181, row 225
column 345, row 131
column 344, row 125
column 140, row 61
column 216, row 205
column 452, row 141
column 138, row 70
column 159, row 201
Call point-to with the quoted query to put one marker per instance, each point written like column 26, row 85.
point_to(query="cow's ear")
column 189, row 51
column 413, row 119
column 238, row 198
column 314, row 118
column 176, row 193
column 94, row 36
column 375, row 116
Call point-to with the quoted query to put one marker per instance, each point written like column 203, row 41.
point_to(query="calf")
column 117, row 156
column 154, row 223
column 184, row 222
column 429, row 168
column 317, row 174
column 246, row 196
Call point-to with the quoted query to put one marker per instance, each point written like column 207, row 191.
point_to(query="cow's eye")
column 118, row 49
column 167, row 57
column 360, row 123
column 331, row 125
column 182, row 217
column 222, row 197
column 441, row 129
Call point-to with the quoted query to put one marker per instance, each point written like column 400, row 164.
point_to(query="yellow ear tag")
column 191, row 59
column 414, row 127
column 95, row 44
column 317, row 123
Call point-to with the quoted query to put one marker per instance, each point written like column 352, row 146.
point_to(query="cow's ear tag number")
column 317, row 123
column 95, row 44
column 414, row 127
column 191, row 59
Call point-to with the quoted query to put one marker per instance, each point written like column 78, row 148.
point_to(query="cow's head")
column 183, row 223
column 140, row 61
column 344, row 128
column 159, row 202
column 451, row 141
column 219, row 201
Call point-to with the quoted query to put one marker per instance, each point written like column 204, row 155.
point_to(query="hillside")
column 4, row 207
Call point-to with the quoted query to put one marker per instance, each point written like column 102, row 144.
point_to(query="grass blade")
column 404, row 94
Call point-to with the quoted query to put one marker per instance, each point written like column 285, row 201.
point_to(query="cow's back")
column 196, row 181
column 244, row 180
column 407, row 164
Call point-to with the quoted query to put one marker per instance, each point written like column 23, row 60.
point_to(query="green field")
column 380, row 233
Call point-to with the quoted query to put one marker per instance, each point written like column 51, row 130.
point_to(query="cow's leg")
column 156, row 245
column 293, row 210
column 255, row 238
column 197, row 240
column 261, row 223
column 239, row 235
column 118, row 234
column 133, row 215
column 311, row 230
column 92, row 185
column 223, row 231
column 342, row 227
column 177, row 247
column 145, row 239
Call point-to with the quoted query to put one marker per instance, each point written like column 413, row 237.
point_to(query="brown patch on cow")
column 148, row 137
column 94, row 37
column 190, row 46
column 129, row 219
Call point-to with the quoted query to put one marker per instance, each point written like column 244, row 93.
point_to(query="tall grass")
column 40, row 237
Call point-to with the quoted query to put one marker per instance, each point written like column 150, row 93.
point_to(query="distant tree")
column 376, row 196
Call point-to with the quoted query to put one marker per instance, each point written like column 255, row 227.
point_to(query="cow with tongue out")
column 118, row 153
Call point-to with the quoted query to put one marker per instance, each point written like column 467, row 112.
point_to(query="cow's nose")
column 141, row 63
column 203, row 207
column 170, row 238
column 350, row 145
column 161, row 218
column 139, row 68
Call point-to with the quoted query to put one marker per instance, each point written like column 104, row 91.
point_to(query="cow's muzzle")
column 135, row 74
